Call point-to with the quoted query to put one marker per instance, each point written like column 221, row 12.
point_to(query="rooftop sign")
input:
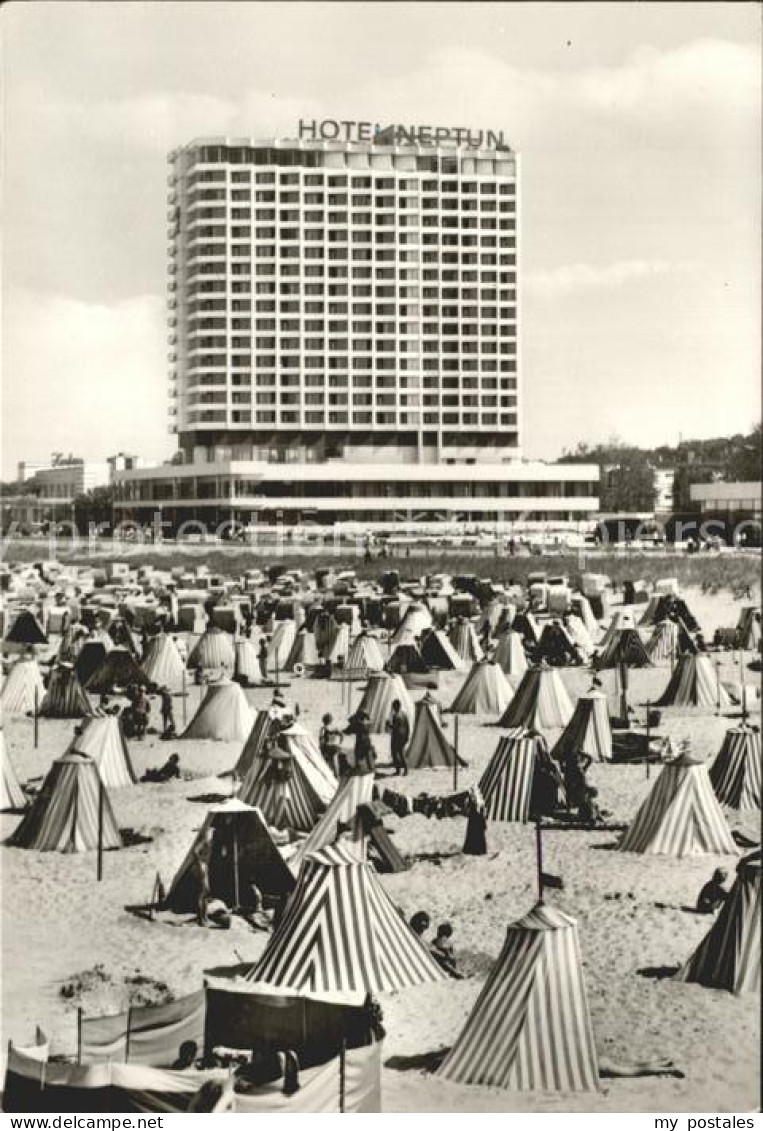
column 333, row 130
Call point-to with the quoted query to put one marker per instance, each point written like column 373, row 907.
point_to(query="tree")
column 94, row 506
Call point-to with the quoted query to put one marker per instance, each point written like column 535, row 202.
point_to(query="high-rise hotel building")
column 344, row 333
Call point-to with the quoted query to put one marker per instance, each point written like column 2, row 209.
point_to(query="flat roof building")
column 341, row 302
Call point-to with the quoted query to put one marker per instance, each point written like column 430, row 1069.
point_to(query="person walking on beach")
column 400, row 733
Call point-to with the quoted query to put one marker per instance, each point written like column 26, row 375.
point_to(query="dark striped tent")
column 736, row 772
column 340, row 819
column 381, row 691
column 118, row 669
column 64, row 815
column 589, row 730
column 530, row 1028
column 540, row 702
column 64, row 698
column 624, row 648
column 694, row 683
column 728, row 958
column 341, row 933
column 438, row 652
column 680, row 815
column 428, row 746
column 464, row 640
column 279, row 787
column 255, row 744
column 485, row 691
column 506, row 785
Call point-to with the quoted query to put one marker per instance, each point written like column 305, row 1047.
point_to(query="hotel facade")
column 343, row 336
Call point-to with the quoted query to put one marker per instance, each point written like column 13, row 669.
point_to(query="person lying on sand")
column 443, row 952
column 612, row 1068
column 713, row 895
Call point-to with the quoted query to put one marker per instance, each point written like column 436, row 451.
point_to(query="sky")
column 638, row 127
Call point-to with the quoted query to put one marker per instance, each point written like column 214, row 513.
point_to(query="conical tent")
column 304, row 651
column 247, row 665
column 279, row 787
column 540, row 702
column 663, row 643
column 485, row 691
column 340, row 819
column 118, row 669
column 527, row 626
column 530, row 1029
column 464, row 641
column 510, row 654
column 557, row 646
column 581, row 607
column 381, row 691
column 580, row 636
column 243, row 854
column 11, row 793
column 748, row 628
column 342, row 933
column 736, row 772
column 364, row 656
column 213, row 652
column 416, row 619
column 589, row 730
column 339, row 647
column 621, row 619
column 428, row 746
column 223, row 714
column 506, row 785
column 64, row 698
column 280, row 644
column 23, row 689
column 72, row 642
column 439, row 653
column 91, row 655
column 103, row 740
column 406, row 658
column 300, row 744
column 163, row 665
column 623, row 648
column 64, row 815
column 728, row 958
column 255, row 743
column 25, row 632
column 694, row 683
column 680, row 815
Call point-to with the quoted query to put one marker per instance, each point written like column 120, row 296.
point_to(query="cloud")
column 573, row 277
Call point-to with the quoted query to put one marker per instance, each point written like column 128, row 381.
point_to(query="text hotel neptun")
column 331, row 129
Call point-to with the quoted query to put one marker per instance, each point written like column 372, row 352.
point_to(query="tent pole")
column 718, row 686
column 79, row 1034
column 100, row 829
column 342, row 1070
column 539, row 858
column 36, row 718
column 236, row 892
column 185, row 701
column 744, row 689
column 455, row 748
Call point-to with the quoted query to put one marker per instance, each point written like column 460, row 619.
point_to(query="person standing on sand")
column 400, row 733
column 262, row 658
column 202, row 854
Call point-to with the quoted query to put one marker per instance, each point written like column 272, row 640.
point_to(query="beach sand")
column 633, row 912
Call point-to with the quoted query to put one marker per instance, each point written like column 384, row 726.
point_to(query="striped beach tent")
column 416, row 619
column 506, row 785
column 736, row 772
column 540, row 702
column 464, row 640
column 510, row 654
column 102, row 738
column 589, row 730
column 339, row 647
column 223, row 715
column 748, row 628
column 728, row 958
column 280, row 644
column 364, row 657
column 530, row 1029
column 438, row 652
column 381, row 691
column 299, row 743
column 118, row 669
column 23, row 689
column 92, row 654
column 694, row 683
column 342, row 933
column 213, row 652
column 406, row 658
column 581, row 607
column 279, row 787
column 64, row 698
column 246, row 667
column 621, row 619
column 64, row 815
column 622, row 647
column 304, row 651
column 680, row 815
column 485, row 691
column 428, row 746
column 663, row 643
column 255, row 743
column 353, row 790
column 11, row 793
column 527, row 626
column 163, row 665
column 72, row 642
column 25, row 632
column 242, row 853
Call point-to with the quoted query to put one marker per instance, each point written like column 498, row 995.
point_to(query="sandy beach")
column 634, row 913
